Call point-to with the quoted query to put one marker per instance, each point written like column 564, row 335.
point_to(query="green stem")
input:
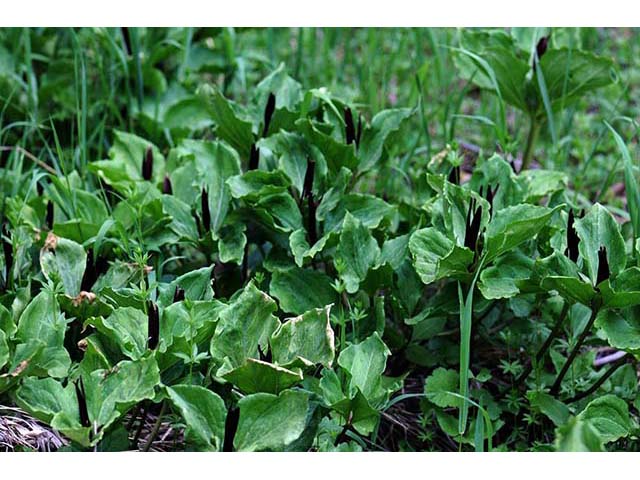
column 555, row 389
column 543, row 350
column 534, row 130
column 612, row 369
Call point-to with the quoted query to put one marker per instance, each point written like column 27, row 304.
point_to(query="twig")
column 30, row 156
column 156, row 427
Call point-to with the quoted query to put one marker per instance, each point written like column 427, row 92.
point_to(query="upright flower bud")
column 572, row 239
column 349, row 128
column 254, row 157
column 603, row 266
column 153, row 318
column 206, row 214
column 49, row 217
column 268, row 113
column 178, row 294
column 167, row 189
column 7, row 250
column 82, row 403
column 147, row 164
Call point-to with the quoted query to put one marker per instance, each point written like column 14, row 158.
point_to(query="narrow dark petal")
column 49, row 218
column 308, row 178
column 147, row 164
column 268, row 113
column 349, row 128
column 468, row 241
column 178, row 294
column 454, row 175
column 230, row 428
column 90, row 273
column 475, row 228
column 254, row 157
column 541, row 47
column 513, row 166
column 265, row 357
column 153, row 326
column 167, row 189
column 359, row 134
column 196, row 217
column 491, row 194
column 572, row 239
column 82, row 403
column 603, row 266
column 39, row 189
column 206, row 214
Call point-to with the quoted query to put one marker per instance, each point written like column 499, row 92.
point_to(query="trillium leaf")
column 271, row 422
column 502, row 279
column 243, row 326
column 512, row 226
column 299, row 290
column 369, row 210
column 232, row 243
column 127, row 326
column 258, row 376
column 301, row 249
column 308, row 337
column 64, row 260
column 373, row 137
column 4, row 350
column 111, row 392
column 204, row 413
column 623, row 291
column 598, row 229
column 196, row 285
column 358, row 252
column 435, row 256
column 570, row 288
column 609, row 416
column 365, row 362
column 42, row 321
column 216, row 162
column 234, row 130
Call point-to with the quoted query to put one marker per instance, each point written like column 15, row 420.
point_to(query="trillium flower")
column 572, row 239
column 268, row 113
column 147, row 164
column 153, row 318
column 167, row 189
column 82, row 403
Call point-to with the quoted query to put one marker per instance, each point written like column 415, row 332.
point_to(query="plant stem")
column 156, row 427
column 614, row 366
column 547, row 344
column 574, row 353
column 534, row 130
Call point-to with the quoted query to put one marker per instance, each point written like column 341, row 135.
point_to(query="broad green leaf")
column 196, row 285
column 357, row 252
column 337, row 153
column 246, row 323
column 365, row 362
column 435, row 256
column 440, row 385
column 64, row 261
column 111, row 392
column 42, row 321
column 578, row 435
column 369, row 210
column 395, row 251
column 231, row 243
column 230, row 127
column 598, row 229
column 621, row 331
column 512, row 226
column 299, row 290
column 374, row 136
column 570, row 73
column 609, row 415
column 4, row 350
column 271, row 422
column 216, row 162
column 546, row 404
column 255, row 184
column 502, row 279
column 623, row 291
column 204, row 413
column 308, row 338
column 127, row 326
column 259, row 376
column 300, row 246
column 570, row 288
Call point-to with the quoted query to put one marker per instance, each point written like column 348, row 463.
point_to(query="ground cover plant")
column 320, row 239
